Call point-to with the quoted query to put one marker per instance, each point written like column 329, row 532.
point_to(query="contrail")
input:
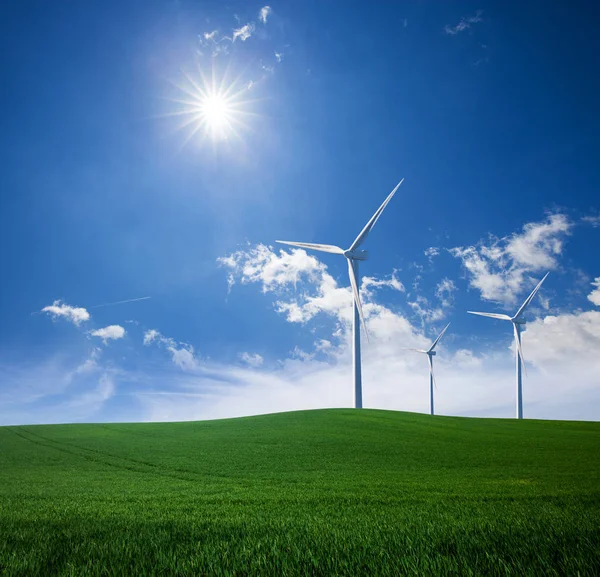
column 121, row 302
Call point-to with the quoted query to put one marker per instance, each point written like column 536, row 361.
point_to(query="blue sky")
column 114, row 188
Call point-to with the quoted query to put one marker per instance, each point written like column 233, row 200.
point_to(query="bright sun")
column 215, row 109
column 216, row 114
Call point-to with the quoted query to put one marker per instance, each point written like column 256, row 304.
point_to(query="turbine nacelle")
column 432, row 353
column 519, row 321
column 356, row 254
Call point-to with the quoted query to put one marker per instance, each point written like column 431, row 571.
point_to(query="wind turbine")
column 430, row 354
column 353, row 257
column 517, row 321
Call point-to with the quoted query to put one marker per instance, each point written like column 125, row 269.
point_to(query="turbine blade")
column 492, row 315
column 354, row 284
column 519, row 348
column 365, row 231
column 530, row 298
column 431, row 371
column 415, row 350
column 437, row 340
column 312, row 246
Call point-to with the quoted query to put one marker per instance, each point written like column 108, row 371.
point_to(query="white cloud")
column 594, row 220
column 273, row 271
column 244, row 32
column 432, row 252
column 594, row 296
column 371, row 282
column 90, row 364
column 150, row 336
column 182, row 354
column 567, row 342
column 500, row 268
column 76, row 315
column 278, row 272
column 281, row 272
column 113, row 332
column 464, row 23
column 540, row 243
column 428, row 314
column 254, row 360
column 210, row 35
column 264, row 13
column 444, row 291
column 279, row 56
column 183, row 357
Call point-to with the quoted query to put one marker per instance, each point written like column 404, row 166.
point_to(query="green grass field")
column 341, row 492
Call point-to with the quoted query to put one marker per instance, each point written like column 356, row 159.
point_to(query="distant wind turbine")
column 430, row 354
column 353, row 256
column 517, row 321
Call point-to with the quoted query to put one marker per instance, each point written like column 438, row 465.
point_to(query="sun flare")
column 217, row 110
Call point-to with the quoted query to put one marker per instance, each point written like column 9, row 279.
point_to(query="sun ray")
column 213, row 104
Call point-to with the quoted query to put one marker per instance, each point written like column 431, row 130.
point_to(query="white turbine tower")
column 430, row 354
column 517, row 321
column 353, row 256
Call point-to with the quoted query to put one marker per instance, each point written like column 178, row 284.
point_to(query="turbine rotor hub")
column 356, row 254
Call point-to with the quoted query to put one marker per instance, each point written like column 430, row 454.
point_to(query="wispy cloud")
column 425, row 311
column 432, row 252
column 394, row 283
column 499, row 268
column 182, row 354
column 75, row 315
column 151, row 336
column 594, row 220
column 243, row 32
column 264, row 13
column 111, row 332
column 465, row 23
column 594, row 296
column 252, row 360
column 92, row 400
column 59, row 389
column 444, row 291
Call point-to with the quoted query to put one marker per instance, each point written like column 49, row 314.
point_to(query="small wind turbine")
column 430, row 354
column 517, row 321
column 353, row 256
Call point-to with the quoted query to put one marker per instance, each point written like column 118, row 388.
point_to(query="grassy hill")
column 315, row 492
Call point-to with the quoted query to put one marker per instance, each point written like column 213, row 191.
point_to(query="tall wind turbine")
column 430, row 354
column 353, row 256
column 517, row 322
